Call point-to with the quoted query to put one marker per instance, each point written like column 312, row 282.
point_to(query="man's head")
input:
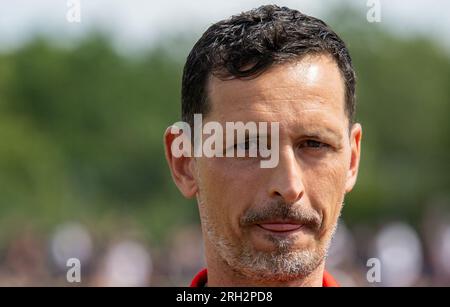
column 271, row 65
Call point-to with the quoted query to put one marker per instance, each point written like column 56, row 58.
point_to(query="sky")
column 139, row 23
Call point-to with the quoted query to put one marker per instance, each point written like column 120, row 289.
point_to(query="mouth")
column 282, row 234
column 280, row 227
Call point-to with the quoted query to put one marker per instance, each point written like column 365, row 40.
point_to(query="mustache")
column 282, row 211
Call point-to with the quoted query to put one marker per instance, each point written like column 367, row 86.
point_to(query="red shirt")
column 202, row 277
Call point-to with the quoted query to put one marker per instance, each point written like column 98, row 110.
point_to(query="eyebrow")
column 321, row 133
column 309, row 132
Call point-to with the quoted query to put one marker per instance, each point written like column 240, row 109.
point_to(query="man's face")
column 276, row 223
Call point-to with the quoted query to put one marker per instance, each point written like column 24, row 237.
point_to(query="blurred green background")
column 81, row 131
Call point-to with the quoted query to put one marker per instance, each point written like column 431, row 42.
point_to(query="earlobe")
column 355, row 149
column 182, row 166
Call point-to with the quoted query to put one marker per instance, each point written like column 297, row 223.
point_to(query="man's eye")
column 247, row 145
column 313, row 144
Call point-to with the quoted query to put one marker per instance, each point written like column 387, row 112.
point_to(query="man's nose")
column 286, row 180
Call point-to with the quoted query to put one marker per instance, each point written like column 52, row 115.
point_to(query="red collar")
column 202, row 277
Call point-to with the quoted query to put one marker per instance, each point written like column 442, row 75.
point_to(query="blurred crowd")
column 407, row 255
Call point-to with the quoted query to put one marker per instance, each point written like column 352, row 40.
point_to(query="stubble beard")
column 283, row 264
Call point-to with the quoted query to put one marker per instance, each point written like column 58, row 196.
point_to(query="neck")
column 220, row 274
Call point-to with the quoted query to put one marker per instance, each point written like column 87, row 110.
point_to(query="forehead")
column 309, row 90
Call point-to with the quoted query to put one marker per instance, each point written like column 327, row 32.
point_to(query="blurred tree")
column 403, row 102
column 82, row 128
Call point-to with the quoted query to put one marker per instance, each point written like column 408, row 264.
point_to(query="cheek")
column 325, row 188
column 227, row 189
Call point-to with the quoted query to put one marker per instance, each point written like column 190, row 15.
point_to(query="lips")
column 280, row 227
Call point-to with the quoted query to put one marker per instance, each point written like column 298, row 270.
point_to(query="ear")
column 355, row 147
column 182, row 167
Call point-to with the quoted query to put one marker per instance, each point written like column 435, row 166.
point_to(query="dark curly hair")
column 247, row 44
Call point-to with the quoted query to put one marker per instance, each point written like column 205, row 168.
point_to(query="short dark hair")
column 247, row 44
